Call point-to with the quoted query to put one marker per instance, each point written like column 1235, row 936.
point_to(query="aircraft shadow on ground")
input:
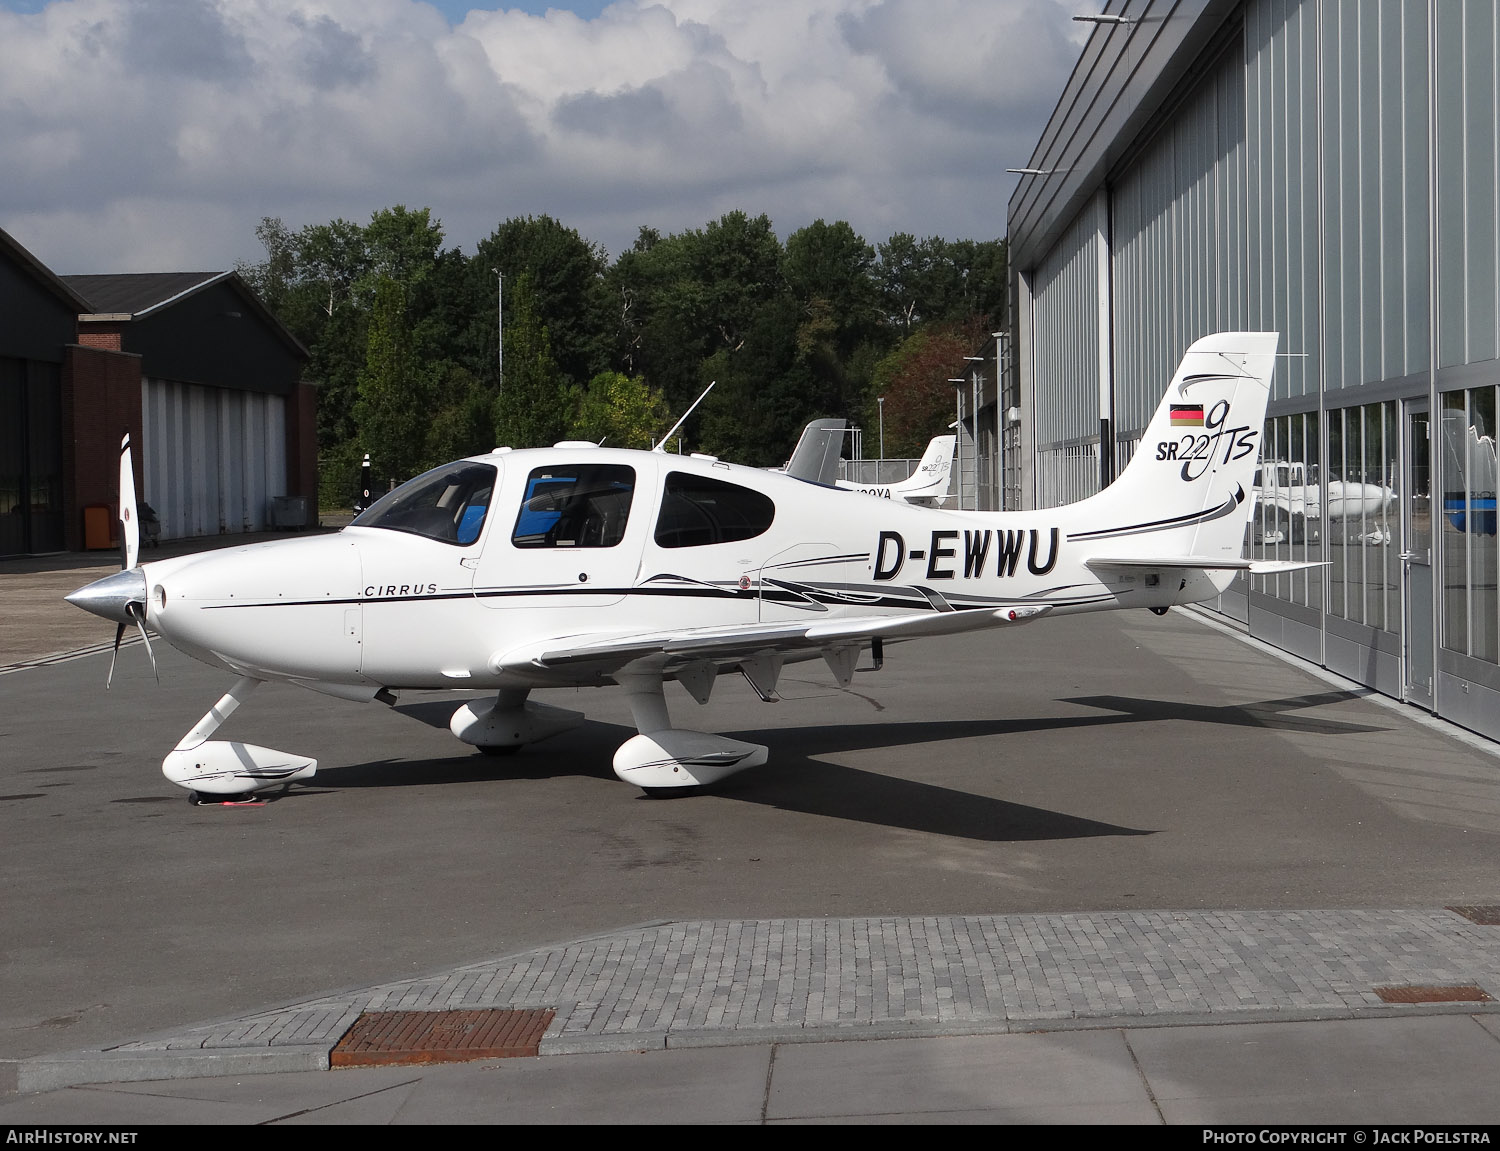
column 1276, row 714
column 796, row 779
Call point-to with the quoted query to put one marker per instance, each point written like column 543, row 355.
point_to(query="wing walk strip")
column 736, row 981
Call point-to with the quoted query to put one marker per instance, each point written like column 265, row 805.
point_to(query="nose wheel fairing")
column 217, row 767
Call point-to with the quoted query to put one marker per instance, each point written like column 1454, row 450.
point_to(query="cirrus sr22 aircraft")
column 585, row 566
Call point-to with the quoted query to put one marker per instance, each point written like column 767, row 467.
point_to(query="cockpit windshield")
column 447, row 504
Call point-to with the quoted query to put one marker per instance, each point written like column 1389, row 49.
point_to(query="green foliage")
column 535, row 406
column 621, row 410
column 940, row 281
column 393, row 408
column 566, row 277
column 919, row 400
column 403, row 334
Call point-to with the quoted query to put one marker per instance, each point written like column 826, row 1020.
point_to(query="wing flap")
column 1203, row 563
column 745, row 640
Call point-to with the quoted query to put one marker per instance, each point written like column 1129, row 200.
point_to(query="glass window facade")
column 1287, row 523
column 1363, row 534
column 1466, row 531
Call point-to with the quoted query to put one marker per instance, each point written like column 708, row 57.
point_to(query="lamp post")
column 958, row 438
column 977, row 378
column 1000, row 364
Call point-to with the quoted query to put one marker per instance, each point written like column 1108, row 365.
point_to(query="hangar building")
column 206, row 380
column 1329, row 169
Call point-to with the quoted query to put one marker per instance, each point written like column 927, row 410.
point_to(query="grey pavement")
column 1195, row 1015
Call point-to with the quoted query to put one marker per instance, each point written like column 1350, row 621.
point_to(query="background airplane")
column 580, row 566
column 1289, row 504
column 928, row 483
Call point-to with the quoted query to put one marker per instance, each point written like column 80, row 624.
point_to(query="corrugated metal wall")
column 1067, row 292
column 1468, row 45
column 1067, row 360
column 1177, row 235
column 1281, row 138
column 1375, row 181
column 213, row 458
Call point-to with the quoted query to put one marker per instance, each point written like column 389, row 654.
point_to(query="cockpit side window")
column 698, row 510
column 586, row 506
column 447, row 504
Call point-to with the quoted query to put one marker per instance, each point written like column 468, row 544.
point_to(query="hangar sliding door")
column 213, row 458
column 31, row 515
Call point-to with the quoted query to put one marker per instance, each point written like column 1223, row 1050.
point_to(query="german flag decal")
column 1187, row 415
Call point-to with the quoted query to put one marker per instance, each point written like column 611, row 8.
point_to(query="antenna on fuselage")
column 657, row 446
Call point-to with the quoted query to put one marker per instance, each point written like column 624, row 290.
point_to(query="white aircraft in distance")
column 927, row 485
column 585, row 566
column 1289, row 502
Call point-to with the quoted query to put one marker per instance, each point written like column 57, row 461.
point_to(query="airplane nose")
column 107, row 597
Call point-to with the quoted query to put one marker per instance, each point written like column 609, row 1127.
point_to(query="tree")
column 566, row 281
column 831, row 263
column 919, row 400
column 621, row 410
column 924, row 281
column 535, row 407
column 393, row 408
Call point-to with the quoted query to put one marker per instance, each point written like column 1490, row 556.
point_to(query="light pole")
column 880, row 404
column 974, row 409
column 1000, row 397
column 958, row 437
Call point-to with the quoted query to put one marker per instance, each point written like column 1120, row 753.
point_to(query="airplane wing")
column 728, row 643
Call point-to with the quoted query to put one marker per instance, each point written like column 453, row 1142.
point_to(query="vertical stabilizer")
column 1186, row 491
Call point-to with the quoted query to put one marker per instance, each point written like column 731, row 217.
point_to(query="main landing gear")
column 666, row 759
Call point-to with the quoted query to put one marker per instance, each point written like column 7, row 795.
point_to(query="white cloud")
column 146, row 135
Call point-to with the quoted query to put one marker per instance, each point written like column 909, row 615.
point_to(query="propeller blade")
column 119, row 633
column 130, row 529
column 133, row 610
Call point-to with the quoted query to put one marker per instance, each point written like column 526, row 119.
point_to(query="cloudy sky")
column 144, row 135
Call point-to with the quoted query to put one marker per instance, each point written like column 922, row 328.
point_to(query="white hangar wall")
column 1328, row 169
column 214, row 457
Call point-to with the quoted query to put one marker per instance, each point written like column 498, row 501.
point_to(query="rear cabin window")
column 697, row 511
column 575, row 507
column 447, row 504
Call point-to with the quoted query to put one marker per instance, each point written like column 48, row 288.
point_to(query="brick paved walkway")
column 740, row 981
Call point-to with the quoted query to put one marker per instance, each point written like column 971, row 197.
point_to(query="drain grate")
column 379, row 1038
column 1487, row 914
column 1434, row 994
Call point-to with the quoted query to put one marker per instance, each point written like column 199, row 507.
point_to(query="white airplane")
column 585, row 566
column 1293, row 500
column 927, row 485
